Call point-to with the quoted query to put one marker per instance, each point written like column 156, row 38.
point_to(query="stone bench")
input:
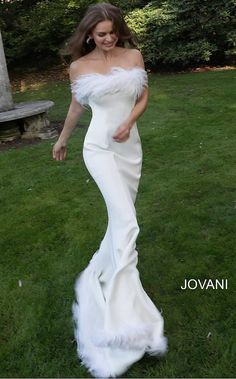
column 27, row 120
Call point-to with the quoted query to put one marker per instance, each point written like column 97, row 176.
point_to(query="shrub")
column 176, row 33
column 185, row 32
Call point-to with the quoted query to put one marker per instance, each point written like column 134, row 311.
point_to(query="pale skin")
column 105, row 56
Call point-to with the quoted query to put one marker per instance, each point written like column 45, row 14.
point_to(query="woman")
column 116, row 322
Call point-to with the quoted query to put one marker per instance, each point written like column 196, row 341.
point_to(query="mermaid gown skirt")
column 116, row 322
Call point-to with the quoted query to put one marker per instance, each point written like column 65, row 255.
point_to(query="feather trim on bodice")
column 95, row 85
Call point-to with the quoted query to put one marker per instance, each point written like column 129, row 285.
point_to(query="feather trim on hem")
column 140, row 337
column 143, row 338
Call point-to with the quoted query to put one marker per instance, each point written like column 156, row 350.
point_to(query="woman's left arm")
column 139, row 108
column 122, row 133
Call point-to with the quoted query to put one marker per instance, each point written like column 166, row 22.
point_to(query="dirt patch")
column 11, row 145
column 20, row 142
column 24, row 80
column 21, row 81
column 212, row 68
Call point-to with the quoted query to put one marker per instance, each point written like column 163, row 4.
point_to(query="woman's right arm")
column 74, row 113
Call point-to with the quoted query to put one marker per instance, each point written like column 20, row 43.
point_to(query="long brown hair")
column 77, row 46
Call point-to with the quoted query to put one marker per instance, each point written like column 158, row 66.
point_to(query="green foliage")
column 145, row 23
column 184, row 32
column 39, row 30
column 129, row 5
column 172, row 32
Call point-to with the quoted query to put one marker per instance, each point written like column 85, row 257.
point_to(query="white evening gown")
column 116, row 323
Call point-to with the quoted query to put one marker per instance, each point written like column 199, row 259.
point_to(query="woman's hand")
column 59, row 151
column 122, row 133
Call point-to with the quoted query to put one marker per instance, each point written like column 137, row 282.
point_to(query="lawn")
column 53, row 219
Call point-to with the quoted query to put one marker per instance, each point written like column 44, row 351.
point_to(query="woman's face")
column 104, row 35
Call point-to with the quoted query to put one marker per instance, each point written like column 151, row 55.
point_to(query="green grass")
column 53, row 219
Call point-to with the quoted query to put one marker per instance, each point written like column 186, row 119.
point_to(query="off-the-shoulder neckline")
column 113, row 68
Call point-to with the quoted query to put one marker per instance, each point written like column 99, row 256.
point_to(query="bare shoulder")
column 133, row 57
column 135, row 53
column 78, row 67
column 75, row 68
column 136, row 57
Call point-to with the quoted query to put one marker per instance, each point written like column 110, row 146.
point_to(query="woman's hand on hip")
column 59, row 151
column 122, row 133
